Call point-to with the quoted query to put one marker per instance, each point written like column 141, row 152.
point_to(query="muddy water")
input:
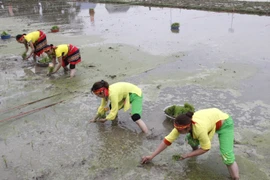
column 215, row 60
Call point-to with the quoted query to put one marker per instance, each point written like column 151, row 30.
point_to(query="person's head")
column 49, row 49
column 100, row 89
column 183, row 123
column 20, row 38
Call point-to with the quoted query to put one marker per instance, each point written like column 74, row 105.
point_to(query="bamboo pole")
column 30, row 112
column 23, row 105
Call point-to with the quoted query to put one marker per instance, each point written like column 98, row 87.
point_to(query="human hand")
column 49, row 73
column 146, row 159
column 102, row 120
column 92, row 120
column 183, row 157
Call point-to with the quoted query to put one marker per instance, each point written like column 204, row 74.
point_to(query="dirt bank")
column 261, row 8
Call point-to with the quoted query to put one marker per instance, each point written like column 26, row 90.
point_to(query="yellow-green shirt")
column 61, row 50
column 118, row 96
column 204, row 128
column 32, row 37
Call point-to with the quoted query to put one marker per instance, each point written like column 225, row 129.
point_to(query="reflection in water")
column 10, row 10
column 2, row 5
column 47, row 11
column 175, row 30
column 171, row 22
column 91, row 7
column 116, row 8
column 40, row 9
column 231, row 30
column 86, row 5
column 92, row 16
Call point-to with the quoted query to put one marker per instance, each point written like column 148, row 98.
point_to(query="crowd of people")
column 199, row 126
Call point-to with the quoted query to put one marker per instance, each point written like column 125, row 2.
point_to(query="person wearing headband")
column 36, row 40
column 120, row 95
column 202, row 126
column 66, row 54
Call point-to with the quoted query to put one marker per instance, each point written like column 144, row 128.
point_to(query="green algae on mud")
column 224, row 75
column 245, row 7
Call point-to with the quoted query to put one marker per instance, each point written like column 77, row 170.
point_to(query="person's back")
column 122, row 88
column 207, row 118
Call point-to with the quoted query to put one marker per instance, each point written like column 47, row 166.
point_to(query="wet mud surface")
column 215, row 60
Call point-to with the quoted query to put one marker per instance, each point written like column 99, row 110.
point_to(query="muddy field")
column 215, row 60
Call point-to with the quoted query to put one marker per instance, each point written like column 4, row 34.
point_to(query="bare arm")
column 32, row 51
column 54, row 61
column 58, row 65
column 95, row 119
column 159, row 149
column 26, row 47
column 100, row 111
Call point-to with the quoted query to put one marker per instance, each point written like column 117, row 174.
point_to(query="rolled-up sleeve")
column 174, row 134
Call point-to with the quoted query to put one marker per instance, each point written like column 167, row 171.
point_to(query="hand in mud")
column 102, row 120
column 146, row 159
column 92, row 121
column 182, row 157
column 26, row 58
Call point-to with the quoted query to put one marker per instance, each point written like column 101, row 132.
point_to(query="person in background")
column 66, row 54
column 201, row 126
column 36, row 40
column 121, row 95
column 92, row 16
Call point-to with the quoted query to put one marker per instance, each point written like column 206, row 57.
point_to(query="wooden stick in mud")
column 20, row 106
column 30, row 112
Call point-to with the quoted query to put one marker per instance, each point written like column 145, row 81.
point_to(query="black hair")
column 19, row 36
column 184, row 119
column 51, row 45
column 99, row 84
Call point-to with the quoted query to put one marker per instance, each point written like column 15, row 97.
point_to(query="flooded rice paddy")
column 215, row 60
